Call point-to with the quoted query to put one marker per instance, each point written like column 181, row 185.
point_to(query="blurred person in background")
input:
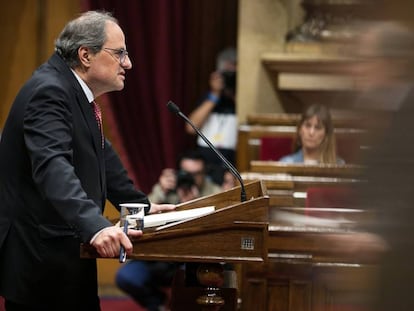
column 381, row 72
column 187, row 182
column 386, row 76
column 229, row 181
column 147, row 281
column 216, row 115
column 315, row 138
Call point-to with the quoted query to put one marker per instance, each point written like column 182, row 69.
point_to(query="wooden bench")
column 314, row 264
column 342, row 119
column 288, row 190
column 260, row 142
column 300, row 169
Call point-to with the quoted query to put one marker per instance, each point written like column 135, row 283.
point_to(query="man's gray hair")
column 87, row 30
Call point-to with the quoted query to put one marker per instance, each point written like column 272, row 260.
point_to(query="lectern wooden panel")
column 235, row 232
column 286, row 266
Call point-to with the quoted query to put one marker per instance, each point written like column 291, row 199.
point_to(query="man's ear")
column 84, row 55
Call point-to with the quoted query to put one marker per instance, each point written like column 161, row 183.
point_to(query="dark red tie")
column 98, row 117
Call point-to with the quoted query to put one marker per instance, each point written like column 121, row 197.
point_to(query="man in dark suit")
column 57, row 170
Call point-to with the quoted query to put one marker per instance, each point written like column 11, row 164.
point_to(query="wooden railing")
column 351, row 143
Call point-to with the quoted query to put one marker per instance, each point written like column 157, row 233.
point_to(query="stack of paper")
column 155, row 220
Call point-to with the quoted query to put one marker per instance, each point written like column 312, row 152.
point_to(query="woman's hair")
column 328, row 145
column 86, row 30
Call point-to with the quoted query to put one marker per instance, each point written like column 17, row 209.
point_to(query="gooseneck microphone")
column 174, row 109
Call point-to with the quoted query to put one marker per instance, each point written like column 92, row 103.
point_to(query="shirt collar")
column 85, row 87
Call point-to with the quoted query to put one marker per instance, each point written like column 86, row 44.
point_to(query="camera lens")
column 185, row 180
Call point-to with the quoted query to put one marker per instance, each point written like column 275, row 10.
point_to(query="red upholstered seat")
column 273, row 148
column 330, row 197
column 320, row 199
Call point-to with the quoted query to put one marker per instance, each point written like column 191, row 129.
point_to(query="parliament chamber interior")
column 302, row 241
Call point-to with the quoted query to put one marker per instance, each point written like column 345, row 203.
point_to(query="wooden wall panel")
column 28, row 31
column 18, row 53
column 278, row 297
column 289, row 286
column 256, row 297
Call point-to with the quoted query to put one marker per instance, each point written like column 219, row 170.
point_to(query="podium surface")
column 235, row 232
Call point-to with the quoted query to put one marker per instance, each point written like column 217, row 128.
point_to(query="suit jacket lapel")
column 88, row 114
column 85, row 106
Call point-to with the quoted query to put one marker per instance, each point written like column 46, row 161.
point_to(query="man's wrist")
column 96, row 235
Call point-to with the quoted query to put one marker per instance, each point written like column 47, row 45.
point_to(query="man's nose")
column 127, row 64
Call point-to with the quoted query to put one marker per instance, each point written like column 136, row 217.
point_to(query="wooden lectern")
column 235, row 232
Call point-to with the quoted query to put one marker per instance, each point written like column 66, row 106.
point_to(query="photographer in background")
column 189, row 182
column 216, row 116
column 145, row 281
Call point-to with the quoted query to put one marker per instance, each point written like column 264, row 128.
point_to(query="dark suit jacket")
column 54, row 181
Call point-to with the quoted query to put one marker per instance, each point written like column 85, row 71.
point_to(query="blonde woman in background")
column 315, row 139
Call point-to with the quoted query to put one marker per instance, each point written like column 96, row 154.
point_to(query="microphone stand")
column 174, row 108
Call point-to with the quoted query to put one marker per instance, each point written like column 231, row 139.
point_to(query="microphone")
column 174, row 109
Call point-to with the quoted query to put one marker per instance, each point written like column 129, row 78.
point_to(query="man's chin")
column 120, row 87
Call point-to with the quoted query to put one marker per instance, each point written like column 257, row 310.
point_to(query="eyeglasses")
column 121, row 53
